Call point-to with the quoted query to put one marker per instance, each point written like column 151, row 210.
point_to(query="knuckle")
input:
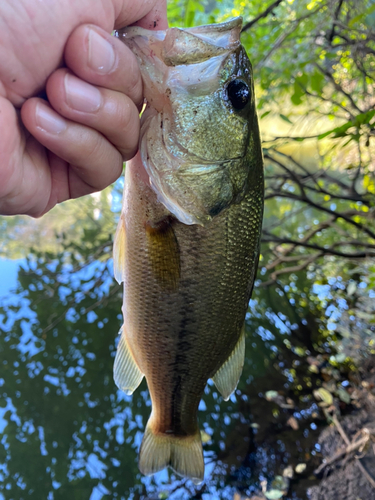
column 133, row 85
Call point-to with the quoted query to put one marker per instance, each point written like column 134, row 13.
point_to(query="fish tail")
column 183, row 454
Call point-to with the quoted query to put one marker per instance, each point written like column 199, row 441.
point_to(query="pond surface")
column 66, row 431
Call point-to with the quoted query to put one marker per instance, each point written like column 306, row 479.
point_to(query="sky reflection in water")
column 66, row 431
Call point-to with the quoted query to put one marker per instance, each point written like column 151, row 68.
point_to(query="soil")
column 344, row 479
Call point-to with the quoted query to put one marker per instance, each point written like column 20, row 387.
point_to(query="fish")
column 187, row 243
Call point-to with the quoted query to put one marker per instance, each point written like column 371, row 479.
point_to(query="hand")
column 75, row 143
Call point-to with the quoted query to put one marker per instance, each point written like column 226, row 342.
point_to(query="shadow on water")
column 67, row 432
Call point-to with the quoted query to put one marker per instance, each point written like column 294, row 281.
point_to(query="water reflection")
column 67, row 432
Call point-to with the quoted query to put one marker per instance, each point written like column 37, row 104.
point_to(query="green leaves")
column 299, row 88
column 317, row 82
column 344, row 130
column 314, row 81
column 192, row 7
column 187, row 13
column 285, row 118
column 365, row 17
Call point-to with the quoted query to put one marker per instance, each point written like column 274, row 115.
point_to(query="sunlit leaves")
column 359, row 121
column 369, row 183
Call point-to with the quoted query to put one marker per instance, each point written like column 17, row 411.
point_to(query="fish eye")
column 238, row 93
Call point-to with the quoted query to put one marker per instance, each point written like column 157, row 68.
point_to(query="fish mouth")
column 203, row 167
column 176, row 46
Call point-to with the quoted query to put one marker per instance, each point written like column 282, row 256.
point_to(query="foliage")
column 314, row 70
column 72, row 221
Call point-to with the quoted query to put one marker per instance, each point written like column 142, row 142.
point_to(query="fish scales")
column 188, row 267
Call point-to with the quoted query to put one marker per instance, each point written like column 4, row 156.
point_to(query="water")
column 8, row 273
column 67, row 432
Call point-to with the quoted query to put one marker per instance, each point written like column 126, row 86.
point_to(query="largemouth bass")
column 187, row 243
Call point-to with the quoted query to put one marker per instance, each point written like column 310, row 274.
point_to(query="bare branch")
column 284, row 35
column 357, row 197
column 290, row 173
column 325, row 99
column 336, row 16
column 322, row 208
column 324, row 250
column 262, row 15
column 338, row 87
column 345, row 450
column 276, row 45
column 369, row 478
column 296, row 163
column 292, row 269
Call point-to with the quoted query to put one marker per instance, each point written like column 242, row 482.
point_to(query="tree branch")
column 338, row 87
column 289, row 172
column 338, row 215
column 263, row 14
column 336, row 16
column 292, row 269
column 341, row 452
column 326, row 251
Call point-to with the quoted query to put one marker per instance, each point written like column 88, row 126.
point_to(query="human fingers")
column 11, row 142
column 111, row 113
column 101, row 59
column 91, row 158
column 150, row 14
column 156, row 17
column 25, row 176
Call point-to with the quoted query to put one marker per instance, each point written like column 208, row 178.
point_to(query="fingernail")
column 80, row 95
column 48, row 120
column 101, row 53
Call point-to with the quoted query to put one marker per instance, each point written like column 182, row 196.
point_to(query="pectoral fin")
column 164, row 253
column 119, row 251
column 126, row 373
column 228, row 375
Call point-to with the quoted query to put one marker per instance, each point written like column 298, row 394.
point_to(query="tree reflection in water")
column 67, row 432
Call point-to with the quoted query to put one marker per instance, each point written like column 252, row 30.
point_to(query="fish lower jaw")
column 183, row 216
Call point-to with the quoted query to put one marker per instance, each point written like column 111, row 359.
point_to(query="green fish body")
column 187, row 243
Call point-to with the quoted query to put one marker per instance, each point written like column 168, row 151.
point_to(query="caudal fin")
column 183, row 454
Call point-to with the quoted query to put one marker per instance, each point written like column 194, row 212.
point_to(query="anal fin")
column 126, row 373
column 228, row 375
column 119, row 251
